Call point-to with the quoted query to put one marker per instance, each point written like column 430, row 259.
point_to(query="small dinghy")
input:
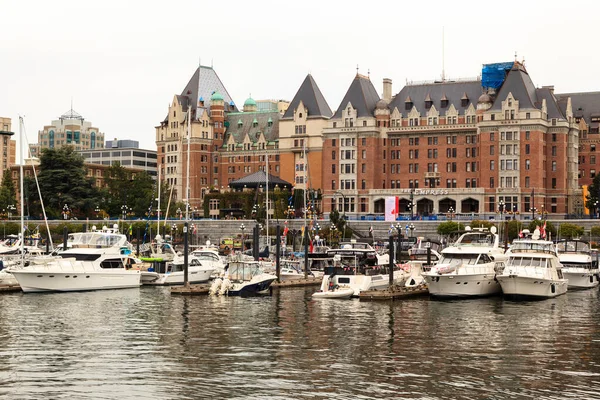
column 337, row 293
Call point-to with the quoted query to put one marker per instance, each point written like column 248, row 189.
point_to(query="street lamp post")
column 451, row 212
column 124, row 210
column 543, row 212
column 501, row 209
column 332, row 233
column 533, row 211
column 97, row 211
column 178, row 211
column 596, row 209
column 242, row 228
column 10, row 209
column 65, row 212
column 412, row 228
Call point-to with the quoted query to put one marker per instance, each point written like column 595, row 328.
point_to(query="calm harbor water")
column 146, row 344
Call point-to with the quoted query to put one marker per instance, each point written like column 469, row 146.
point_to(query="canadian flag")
column 521, row 234
column 543, row 231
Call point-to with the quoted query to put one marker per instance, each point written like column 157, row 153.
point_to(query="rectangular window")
column 492, row 165
column 527, row 149
column 554, row 151
column 491, row 150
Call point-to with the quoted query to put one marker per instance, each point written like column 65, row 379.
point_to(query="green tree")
column 8, row 194
column 449, row 227
column 62, row 179
column 593, row 196
column 570, row 231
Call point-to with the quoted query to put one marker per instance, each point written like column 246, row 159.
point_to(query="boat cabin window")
column 527, row 262
column 112, row 263
column 459, row 259
column 80, row 257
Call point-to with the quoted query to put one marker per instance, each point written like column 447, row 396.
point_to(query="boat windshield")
column 528, row 247
column 99, row 240
column 476, row 239
column 574, row 246
column 527, row 262
column 244, row 271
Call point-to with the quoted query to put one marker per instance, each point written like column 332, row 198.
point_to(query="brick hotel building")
column 466, row 146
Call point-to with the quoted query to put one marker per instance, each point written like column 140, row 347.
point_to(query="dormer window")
column 408, row 104
column 444, row 101
column 464, row 100
column 254, row 123
column 240, row 123
column 428, row 102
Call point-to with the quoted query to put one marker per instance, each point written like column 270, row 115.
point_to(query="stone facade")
column 70, row 129
column 7, row 146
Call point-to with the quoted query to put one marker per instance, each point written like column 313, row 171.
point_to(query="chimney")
column 387, row 89
column 550, row 88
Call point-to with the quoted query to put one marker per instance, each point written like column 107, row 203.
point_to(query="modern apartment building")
column 126, row 152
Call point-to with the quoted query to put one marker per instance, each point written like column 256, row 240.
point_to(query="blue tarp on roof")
column 493, row 75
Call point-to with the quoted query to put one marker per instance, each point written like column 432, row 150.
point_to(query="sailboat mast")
column 187, row 177
column 21, row 194
column 267, row 205
column 305, row 182
column 158, row 206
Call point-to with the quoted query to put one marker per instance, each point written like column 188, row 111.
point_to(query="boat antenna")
column 21, row 195
column 187, row 178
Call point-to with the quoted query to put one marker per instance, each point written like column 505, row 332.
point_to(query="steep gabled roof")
column 312, row 98
column 584, row 104
column 450, row 91
column 522, row 88
column 247, row 119
column 204, row 83
column 362, row 95
column 554, row 110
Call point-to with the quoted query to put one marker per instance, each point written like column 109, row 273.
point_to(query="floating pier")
column 192, row 290
column 312, row 281
column 9, row 288
column 394, row 293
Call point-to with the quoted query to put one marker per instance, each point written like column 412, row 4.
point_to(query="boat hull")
column 72, row 281
column 339, row 293
column 518, row 287
column 361, row 283
column 195, row 275
column 251, row 288
column 457, row 285
column 581, row 279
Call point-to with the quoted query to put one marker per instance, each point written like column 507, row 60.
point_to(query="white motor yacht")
column 468, row 267
column 98, row 260
column 358, row 266
column 533, row 269
column 579, row 265
column 244, row 277
column 209, row 257
column 198, row 272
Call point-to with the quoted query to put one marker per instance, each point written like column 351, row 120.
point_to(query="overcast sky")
column 122, row 61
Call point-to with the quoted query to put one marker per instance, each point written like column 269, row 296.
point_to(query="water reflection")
column 148, row 344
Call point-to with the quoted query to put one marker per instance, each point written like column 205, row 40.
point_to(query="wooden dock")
column 9, row 288
column 192, row 290
column 312, row 281
column 394, row 293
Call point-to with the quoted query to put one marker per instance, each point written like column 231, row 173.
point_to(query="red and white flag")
column 543, row 231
